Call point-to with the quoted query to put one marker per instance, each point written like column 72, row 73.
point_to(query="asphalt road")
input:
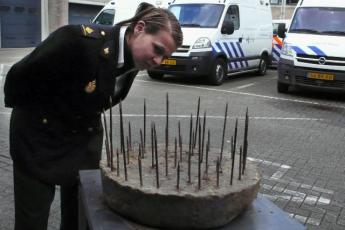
column 297, row 139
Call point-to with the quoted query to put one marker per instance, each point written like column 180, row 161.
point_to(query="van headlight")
column 287, row 50
column 202, row 43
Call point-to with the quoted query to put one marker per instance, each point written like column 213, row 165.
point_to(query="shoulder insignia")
column 106, row 51
column 91, row 31
column 91, row 86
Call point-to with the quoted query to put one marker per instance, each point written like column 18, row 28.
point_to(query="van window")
column 319, row 20
column 233, row 15
column 198, row 15
column 106, row 17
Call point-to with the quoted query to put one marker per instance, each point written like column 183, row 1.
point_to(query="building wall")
column 277, row 12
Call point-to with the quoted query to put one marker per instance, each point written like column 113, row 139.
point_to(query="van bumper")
column 297, row 76
column 197, row 64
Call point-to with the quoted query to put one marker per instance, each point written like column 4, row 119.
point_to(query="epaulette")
column 93, row 31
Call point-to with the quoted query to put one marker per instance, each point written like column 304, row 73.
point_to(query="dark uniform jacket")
column 57, row 93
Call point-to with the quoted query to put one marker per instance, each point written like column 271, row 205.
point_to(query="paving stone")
column 313, row 221
column 323, row 201
column 311, row 200
column 301, row 219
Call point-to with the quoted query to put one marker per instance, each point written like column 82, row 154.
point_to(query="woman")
column 58, row 93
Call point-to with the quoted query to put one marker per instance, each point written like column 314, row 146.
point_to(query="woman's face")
column 149, row 50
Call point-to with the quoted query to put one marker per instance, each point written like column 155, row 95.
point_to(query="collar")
column 121, row 57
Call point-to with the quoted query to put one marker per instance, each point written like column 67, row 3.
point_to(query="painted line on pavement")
column 245, row 86
column 245, row 94
column 210, row 117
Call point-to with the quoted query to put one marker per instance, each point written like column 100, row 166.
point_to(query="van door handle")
column 240, row 40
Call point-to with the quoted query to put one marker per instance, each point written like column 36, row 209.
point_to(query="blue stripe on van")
column 230, row 54
column 235, row 51
column 317, row 50
column 298, row 50
column 241, row 51
column 276, row 52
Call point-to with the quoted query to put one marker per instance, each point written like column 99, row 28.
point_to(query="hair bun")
column 144, row 6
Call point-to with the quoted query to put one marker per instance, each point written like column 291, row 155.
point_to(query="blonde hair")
column 156, row 19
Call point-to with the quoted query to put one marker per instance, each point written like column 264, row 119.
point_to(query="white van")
column 220, row 38
column 119, row 10
column 313, row 53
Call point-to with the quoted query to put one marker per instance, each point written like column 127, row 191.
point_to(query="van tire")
column 218, row 72
column 262, row 66
column 154, row 75
column 282, row 87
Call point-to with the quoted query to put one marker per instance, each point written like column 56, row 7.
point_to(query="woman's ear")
column 139, row 27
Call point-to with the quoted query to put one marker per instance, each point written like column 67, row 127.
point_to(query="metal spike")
column 107, row 147
column 190, row 134
column 139, row 165
column 178, row 176
column 217, row 169
column 240, row 164
column 156, row 157
column 203, row 137
column 245, row 141
column 199, row 161
column 117, row 163
column 123, row 142
column 175, row 153
column 127, row 141
column 111, row 129
column 166, row 159
column 207, row 150
column 152, row 146
column 232, row 160
column 224, row 126
column 180, row 139
column 144, row 145
column 167, row 130
column 235, row 135
column 196, row 123
column 130, row 135
column 199, row 145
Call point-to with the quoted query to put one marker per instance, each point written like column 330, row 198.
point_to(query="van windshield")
column 198, row 15
column 319, row 20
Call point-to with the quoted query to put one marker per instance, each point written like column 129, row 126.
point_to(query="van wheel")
column 262, row 66
column 218, row 72
column 282, row 87
column 155, row 75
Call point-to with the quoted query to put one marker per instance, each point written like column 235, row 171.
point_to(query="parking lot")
column 297, row 139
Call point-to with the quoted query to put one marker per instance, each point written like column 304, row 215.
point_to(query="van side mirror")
column 228, row 27
column 281, row 30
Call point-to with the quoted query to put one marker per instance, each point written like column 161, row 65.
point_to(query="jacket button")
column 90, row 129
column 44, row 121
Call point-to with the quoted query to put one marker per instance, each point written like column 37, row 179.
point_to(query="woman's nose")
column 157, row 60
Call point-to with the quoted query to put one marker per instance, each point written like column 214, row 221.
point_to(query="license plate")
column 169, row 62
column 321, row 76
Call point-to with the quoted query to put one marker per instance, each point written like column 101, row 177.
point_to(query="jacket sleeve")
column 32, row 79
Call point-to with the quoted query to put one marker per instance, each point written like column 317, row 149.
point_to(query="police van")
column 313, row 48
column 220, row 38
column 119, row 10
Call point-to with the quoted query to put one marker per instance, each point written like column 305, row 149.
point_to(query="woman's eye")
column 158, row 50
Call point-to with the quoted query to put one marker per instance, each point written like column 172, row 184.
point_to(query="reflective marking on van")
column 277, row 45
column 242, row 54
column 298, row 50
column 231, row 50
column 317, row 50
